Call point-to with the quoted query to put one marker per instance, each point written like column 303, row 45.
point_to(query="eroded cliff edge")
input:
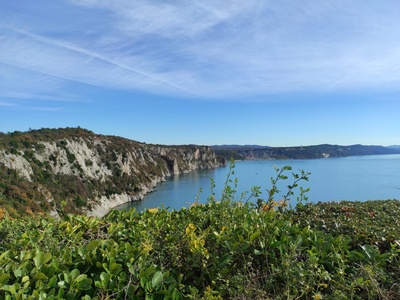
column 74, row 170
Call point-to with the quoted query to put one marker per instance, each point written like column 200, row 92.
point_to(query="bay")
column 356, row 178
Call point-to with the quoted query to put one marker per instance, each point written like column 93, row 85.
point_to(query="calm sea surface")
column 358, row 178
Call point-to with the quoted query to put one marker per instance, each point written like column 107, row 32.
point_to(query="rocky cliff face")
column 77, row 171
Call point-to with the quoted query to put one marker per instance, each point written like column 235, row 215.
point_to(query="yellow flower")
column 190, row 228
column 146, row 247
column 317, row 296
column 153, row 210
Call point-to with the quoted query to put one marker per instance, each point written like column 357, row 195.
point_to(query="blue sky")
column 277, row 73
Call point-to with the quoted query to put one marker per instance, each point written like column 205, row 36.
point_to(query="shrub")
column 219, row 250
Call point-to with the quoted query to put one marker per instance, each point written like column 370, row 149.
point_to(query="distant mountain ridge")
column 300, row 152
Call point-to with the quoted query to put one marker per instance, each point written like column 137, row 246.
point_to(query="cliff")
column 74, row 170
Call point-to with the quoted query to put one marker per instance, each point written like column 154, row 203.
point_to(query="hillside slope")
column 301, row 152
column 74, row 170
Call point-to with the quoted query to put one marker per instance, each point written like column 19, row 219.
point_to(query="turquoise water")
column 358, row 178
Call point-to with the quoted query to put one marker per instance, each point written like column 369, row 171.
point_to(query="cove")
column 355, row 178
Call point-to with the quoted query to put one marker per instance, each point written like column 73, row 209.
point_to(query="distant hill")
column 301, row 152
column 394, row 147
column 223, row 147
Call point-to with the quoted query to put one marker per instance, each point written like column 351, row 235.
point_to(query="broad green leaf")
column 254, row 235
column 47, row 257
column 115, row 268
column 51, row 294
column 25, row 279
column 85, row 284
column 148, row 271
column 80, row 277
column 38, row 259
column 176, row 295
column 4, row 278
column 5, row 254
column 92, row 245
column 40, row 276
column 60, row 293
column 18, row 273
column 62, row 284
column 52, row 282
column 225, row 260
column 13, row 288
column 105, row 279
column 74, row 273
column 157, row 279
column 132, row 290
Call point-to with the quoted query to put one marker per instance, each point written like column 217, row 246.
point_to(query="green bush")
column 219, row 250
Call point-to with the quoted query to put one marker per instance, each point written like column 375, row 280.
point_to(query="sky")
column 206, row 72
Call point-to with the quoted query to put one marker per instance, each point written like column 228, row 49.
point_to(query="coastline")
column 107, row 204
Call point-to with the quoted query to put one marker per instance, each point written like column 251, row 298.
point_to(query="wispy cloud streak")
column 211, row 49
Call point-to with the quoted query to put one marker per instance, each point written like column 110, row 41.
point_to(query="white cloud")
column 5, row 103
column 209, row 48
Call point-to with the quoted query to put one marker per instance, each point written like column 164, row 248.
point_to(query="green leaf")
column 18, row 273
column 176, row 295
column 74, row 274
column 225, row 260
column 148, row 271
column 25, row 279
column 157, row 279
column 62, row 284
column 38, row 259
column 254, row 235
column 85, row 284
column 4, row 278
column 132, row 290
column 40, row 276
column 60, row 293
column 257, row 252
column 105, row 279
column 5, row 254
column 52, row 282
column 47, row 257
column 80, row 277
column 92, row 245
column 115, row 268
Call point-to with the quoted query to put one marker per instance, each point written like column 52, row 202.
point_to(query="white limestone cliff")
column 103, row 160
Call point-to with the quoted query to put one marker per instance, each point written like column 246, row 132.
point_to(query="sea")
column 355, row 178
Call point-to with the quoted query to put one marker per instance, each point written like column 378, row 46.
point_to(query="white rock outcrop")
column 17, row 163
column 100, row 159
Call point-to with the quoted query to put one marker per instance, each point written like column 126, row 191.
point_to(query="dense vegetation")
column 220, row 250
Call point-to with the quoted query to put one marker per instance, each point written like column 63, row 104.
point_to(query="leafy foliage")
column 220, row 250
